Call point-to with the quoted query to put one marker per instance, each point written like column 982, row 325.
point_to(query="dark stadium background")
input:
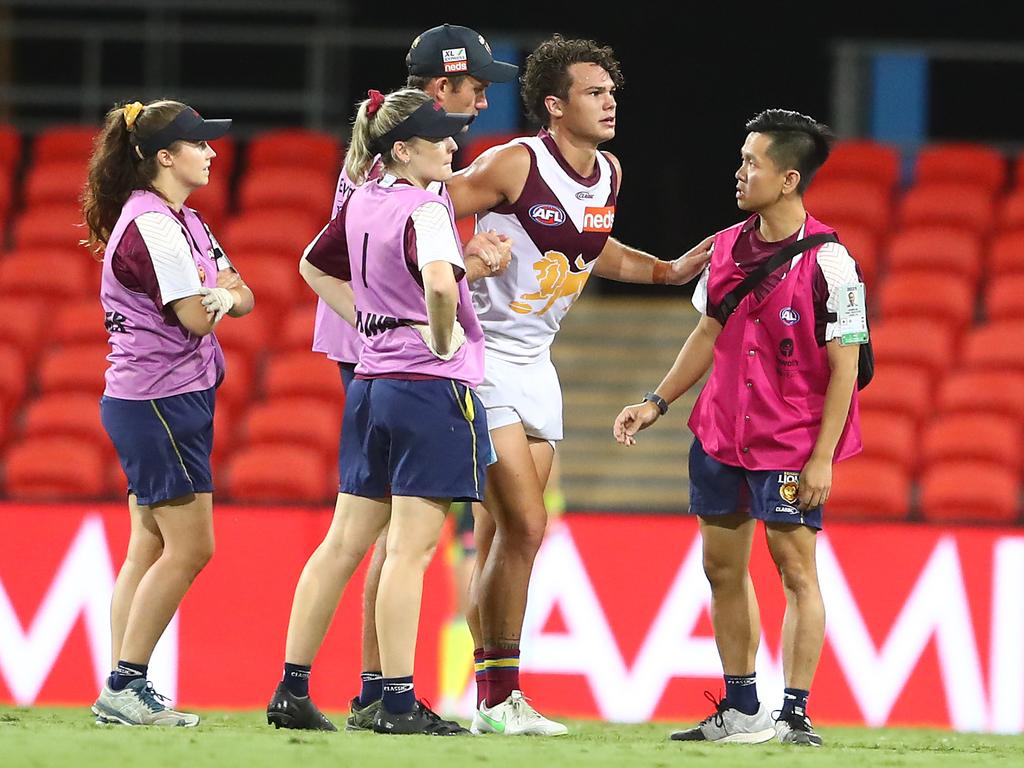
column 694, row 74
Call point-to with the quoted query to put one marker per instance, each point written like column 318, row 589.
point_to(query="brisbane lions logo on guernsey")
column 547, row 215
column 556, row 279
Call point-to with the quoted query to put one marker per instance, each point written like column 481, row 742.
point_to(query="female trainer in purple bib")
column 414, row 436
column 165, row 285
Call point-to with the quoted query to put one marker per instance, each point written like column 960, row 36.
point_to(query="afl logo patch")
column 547, row 215
column 789, row 316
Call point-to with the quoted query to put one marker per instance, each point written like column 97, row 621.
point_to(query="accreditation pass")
column 853, row 315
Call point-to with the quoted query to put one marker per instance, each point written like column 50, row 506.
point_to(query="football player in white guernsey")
column 554, row 195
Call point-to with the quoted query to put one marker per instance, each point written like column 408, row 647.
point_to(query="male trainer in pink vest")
column 779, row 408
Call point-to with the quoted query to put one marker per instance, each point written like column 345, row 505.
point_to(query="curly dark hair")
column 798, row 141
column 547, row 71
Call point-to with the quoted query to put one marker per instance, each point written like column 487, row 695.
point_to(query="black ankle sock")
column 741, row 693
column 296, row 678
column 792, row 699
column 399, row 696
column 373, row 687
column 125, row 673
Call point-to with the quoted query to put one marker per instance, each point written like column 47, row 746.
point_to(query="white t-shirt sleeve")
column 700, row 292
column 840, row 271
column 175, row 269
column 435, row 236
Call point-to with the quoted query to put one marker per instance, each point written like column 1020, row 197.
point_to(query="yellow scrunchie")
column 131, row 113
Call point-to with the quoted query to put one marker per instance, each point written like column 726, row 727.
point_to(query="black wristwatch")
column 658, row 400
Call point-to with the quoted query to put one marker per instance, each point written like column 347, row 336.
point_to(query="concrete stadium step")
column 608, row 353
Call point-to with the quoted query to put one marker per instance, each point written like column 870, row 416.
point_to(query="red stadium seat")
column 6, row 198
column 972, row 437
column 1011, row 210
column 862, row 160
column 301, row 188
column 71, row 415
column 13, row 374
column 861, row 202
column 477, row 145
column 995, row 346
column 297, row 332
column 285, row 233
column 868, row 489
column 862, row 244
column 56, row 183
column 302, row 374
column 51, row 273
column 919, row 343
column 239, row 384
column 275, row 281
column 945, row 299
column 948, row 204
column 296, row 421
column 941, row 249
column 247, row 336
column 10, row 149
column 280, row 473
column 50, row 226
column 1006, row 256
column 78, row 368
column 55, row 468
column 1004, row 297
column 977, row 392
column 969, row 492
column 962, row 163
column 466, row 227
column 212, row 201
column 79, row 322
column 890, row 437
column 296, row 148
column 25, row 328
column 899, row 390
column 64, row 142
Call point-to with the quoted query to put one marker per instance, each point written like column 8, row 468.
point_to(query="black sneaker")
column 361, row 718
column 299, row 712
column 421, row 720
column 795, row 728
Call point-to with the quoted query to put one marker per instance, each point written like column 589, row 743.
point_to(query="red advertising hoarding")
column 925, row 624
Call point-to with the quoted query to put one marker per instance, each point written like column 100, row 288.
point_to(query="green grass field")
column 43, row 737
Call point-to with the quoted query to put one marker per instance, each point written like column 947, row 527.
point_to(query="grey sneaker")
column 361, row 718
column 138, row 704
column 730, row 726
column 796, row 728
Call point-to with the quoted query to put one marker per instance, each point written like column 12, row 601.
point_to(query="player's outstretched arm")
column 629, row 265
column 692, row 362
column 494, row 178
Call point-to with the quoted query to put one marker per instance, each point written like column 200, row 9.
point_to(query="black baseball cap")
column 450, row 51
column 428, row 121
column 188, row 126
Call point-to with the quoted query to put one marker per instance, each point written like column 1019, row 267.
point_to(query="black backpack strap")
column 755, row 278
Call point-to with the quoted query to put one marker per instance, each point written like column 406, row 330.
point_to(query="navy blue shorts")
column 164, row 445
column 423, row 438
column 348, row 372
column 721, row 489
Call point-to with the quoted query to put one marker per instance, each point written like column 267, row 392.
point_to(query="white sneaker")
column 728, row 725
column 515, row 717
column 138, row 704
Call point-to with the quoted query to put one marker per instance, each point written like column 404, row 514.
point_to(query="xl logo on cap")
column 599, row 219
column 455, row 59
column 547, row 215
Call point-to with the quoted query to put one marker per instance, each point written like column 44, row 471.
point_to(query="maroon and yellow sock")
column 502, row 673
column 480, row 673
